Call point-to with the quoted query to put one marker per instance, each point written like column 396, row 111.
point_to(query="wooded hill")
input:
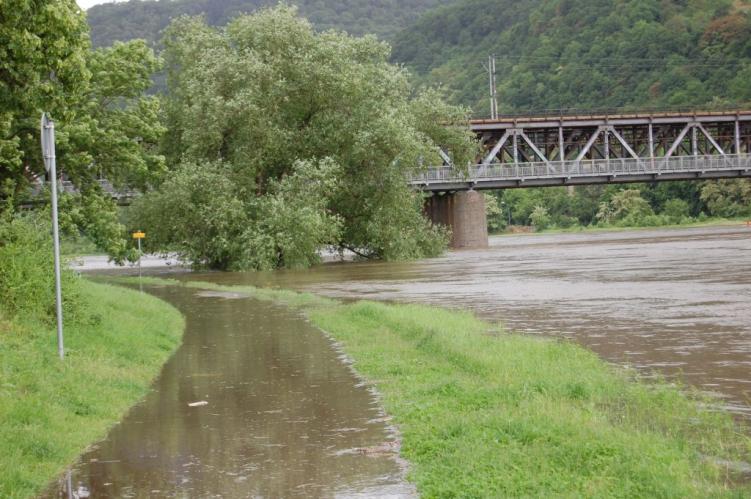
column 585, row 53
column 146, row 19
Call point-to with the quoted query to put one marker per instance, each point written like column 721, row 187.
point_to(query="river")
column 285, row 415
column 674, row 302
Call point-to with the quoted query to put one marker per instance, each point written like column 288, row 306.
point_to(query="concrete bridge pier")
column 462, row 212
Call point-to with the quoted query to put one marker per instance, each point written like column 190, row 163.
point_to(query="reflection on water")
column 284, row 416
column 675, row 301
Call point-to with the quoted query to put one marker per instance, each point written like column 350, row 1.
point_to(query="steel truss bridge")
column 537, row 151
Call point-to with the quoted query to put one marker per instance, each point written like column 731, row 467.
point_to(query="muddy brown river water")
column 675, row 302
column 286, row 416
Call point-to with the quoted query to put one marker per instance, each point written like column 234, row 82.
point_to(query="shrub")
column 495, row 214
column 540, row 218
column 676, row 211
column 27, row 278
column 626, row 208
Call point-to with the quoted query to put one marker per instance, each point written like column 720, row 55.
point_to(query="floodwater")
column 277, row 412
column 675, row 302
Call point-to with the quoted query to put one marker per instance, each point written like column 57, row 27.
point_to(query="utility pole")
column 492, row 83
column 48, row 153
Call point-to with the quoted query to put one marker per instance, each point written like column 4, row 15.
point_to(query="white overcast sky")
column 85, row 4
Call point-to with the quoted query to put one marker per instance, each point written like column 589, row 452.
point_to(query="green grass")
column 710, row 222
column 51, row 410
column 485, row 413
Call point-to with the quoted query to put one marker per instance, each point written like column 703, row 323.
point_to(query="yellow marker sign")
column 139, row 235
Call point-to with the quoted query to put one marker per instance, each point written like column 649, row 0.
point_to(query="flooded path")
column 677, row 302
column 284, row 415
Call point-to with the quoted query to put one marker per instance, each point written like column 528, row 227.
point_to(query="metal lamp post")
column 48, row 153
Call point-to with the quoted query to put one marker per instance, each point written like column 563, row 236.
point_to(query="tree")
column 105, row 126
column 676, row 211
column 540, row 218
column 497, row 218
column 727, row 198
column 42, row 67
column 286, row 110
column 627, row 207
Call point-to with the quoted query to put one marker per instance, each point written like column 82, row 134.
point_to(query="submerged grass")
column 51, row 410
column 485, row 413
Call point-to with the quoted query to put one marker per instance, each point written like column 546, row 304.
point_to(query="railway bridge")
column 581, row 149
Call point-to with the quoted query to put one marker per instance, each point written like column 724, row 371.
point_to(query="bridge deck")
column 613, row 119
column 597, row 171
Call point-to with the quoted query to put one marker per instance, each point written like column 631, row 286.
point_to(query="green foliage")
column 27, row 276
column 540, row 218
column 585, row 54
column 225, row 228
column 117, row 130
column 105, row 127
column 305, row 140
column 50, row 411
column 634, row 205
column 123, row 21
column 292, row 221
column 497, row 218
column 626, row 206
column 42, row 67
column 727, row 198
column 197, row 213
column 676, row 211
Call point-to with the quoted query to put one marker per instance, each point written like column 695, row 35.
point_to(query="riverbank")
column 484, row 412
column 710, row 222
column 51, row 410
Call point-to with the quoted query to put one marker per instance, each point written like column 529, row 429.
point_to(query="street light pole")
column 48, row 153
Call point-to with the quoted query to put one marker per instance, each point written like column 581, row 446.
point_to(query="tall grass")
column 26, row 270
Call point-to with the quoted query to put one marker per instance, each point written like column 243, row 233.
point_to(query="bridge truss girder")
column 585, row 141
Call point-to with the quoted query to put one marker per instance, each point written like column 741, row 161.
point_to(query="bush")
column 225, row 228
column 626, row 208
column 540, row 218
column 495, row 214
column 27, row 278
column 676, row 211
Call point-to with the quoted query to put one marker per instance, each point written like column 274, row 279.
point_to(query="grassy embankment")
column 487, row 413
column 710, row 222
column 51, row 410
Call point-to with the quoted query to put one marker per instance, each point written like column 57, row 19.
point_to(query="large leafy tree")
column 43, row 48
column 105, row 126
column 285, row 110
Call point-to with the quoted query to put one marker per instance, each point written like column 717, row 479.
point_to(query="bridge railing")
column 583, row 168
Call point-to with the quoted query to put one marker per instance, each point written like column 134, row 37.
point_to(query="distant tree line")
column 123, row 21
column 593, row 54
column 588, row 54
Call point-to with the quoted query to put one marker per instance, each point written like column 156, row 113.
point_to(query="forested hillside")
column 145, row 19
column 556, row 54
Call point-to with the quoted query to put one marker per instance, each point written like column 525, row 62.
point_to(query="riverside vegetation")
column 334, row 125
column 116, row 342
column 484, row 412
column 645, row 205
